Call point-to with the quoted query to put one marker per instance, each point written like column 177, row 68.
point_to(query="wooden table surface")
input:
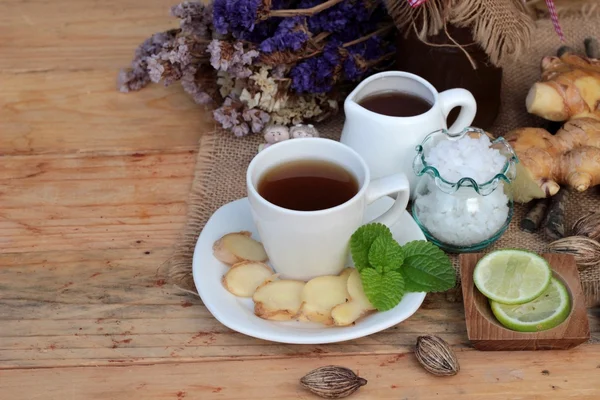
column 93, row 185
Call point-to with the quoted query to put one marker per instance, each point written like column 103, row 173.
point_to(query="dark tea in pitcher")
column 396, row 104
column 308, row 185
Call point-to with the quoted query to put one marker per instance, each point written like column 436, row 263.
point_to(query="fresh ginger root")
column 569, row 88
column 571, row 157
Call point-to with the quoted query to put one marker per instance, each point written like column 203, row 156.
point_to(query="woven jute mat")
column 223, row 160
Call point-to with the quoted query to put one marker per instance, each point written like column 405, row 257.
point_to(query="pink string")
column 549, row 3
column 554, row 18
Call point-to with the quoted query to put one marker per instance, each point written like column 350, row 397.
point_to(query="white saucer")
column 238, row 313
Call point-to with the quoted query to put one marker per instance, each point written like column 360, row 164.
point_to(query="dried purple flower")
column 346, row 20
column 155, row 68
column 214, row 48
column 236, row 16
column 155, row 43
column 371, row 49
column 170, row 62
column 232, row 58
column 351, row 69
column 239, row 119
column 196, row 18
column 136, row 77
column 316, row 75
column 291, row 34
column 179, row 53
column 132, row 80
column 277, row 87
column 191, row 83
column 219, row 16
column 257, row 119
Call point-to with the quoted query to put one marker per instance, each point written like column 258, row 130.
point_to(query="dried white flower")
column 251, row 101
column 225, row 83
column 303, row 131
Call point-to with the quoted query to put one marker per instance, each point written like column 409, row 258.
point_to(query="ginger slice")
column 243, row 278
column 321, row 294
column 237, row 247
column 347, row 313
column 278, row 300
column 346, row 273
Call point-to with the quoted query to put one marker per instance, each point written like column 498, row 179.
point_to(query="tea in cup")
column 308, row 196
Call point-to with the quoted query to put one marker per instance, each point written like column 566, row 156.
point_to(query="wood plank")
column 48, row 35
column 57, row 202
column 75, row 111
column 81, row 308
column 58, row 71
column 497, row 376
column 93, row 185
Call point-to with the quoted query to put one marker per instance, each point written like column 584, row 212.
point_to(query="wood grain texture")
column 486, row 333
column 93, row 185
column 59, row 62
column 82, row 308
column 93, row 201
column 390, row 377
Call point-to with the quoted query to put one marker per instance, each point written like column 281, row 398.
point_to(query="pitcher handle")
column 458, row 98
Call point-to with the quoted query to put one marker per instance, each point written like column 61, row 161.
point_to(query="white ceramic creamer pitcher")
column 388, row 144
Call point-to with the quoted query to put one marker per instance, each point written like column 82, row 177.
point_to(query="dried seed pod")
column 588, row 225
column 585, row 250
column 535, row 216
column 332, row 382
column 436, row 356
column 592, row 49
column 555, row 216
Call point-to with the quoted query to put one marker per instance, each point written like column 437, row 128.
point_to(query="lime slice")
column 545, row 312
column 512, row 276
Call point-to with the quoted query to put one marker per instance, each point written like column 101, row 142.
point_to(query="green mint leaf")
column 361, row 242
column 384, row 291
column 427, row 268
column 386, row 254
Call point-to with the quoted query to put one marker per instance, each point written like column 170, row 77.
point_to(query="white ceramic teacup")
column 305, row 244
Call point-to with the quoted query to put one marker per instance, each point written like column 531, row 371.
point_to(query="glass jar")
column 456, row 212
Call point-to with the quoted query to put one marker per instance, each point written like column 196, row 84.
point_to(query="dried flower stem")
column 380, row 59
column 351, row 43
column 308, row 12
column 367, row 37
column 320, row 37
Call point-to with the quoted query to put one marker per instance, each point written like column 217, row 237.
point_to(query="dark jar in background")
column 446, row 66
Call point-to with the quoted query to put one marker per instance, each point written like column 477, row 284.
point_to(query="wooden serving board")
column 486, row 333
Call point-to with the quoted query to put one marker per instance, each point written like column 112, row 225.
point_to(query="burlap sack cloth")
column 223, row 159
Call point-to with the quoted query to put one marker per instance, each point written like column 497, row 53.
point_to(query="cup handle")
column 458, row 98
column 387, row 185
